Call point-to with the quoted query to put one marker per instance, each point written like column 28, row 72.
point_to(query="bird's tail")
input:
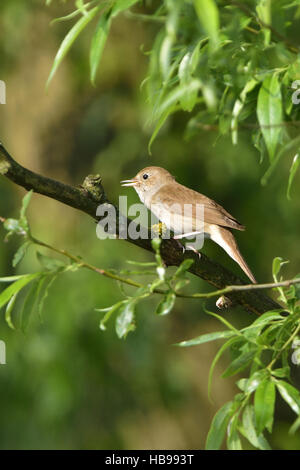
column 226, row 240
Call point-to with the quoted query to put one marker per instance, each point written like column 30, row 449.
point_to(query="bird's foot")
column 190, row 247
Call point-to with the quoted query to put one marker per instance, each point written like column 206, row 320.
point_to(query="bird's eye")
column 145, row 176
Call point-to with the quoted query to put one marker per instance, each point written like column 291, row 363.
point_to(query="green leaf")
column 240, row 363
column 253, row 331
column 160, row 124
column 184, row 266
column 43, row 288
column 166, row 304
column 251, row 384
column 69, row 40
column 296, row 425
column 208, row 15
column 221, row 351
column 276, row 265
column 98, row 43
column 218, row 426
column 264, row 402
column 176, row 95
column 28, row 306
column 20, row 253
column 283, row 372
column 12, row 278
column 238, row 106
column 14, row 288
column 250, row 432
column 264, row 14
column 290, row 146
column 9, row 310
column 233, row 439
column 293, row 171
column 188, row 100
column 121, row 5
column 51, row 264
column 109, row 312
column 269, row 113
column 125, row 319
column 206, row 338
column 25, row 203
column 290, row 394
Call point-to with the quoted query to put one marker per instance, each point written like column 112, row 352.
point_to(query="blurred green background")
column 67, row 384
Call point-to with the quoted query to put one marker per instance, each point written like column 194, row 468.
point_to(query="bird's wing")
column 213, row 212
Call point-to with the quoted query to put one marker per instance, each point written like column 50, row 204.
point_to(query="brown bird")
column 167, row 199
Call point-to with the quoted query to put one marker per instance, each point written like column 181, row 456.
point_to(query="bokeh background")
column 67, row 384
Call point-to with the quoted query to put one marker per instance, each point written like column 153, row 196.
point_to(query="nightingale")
column 166, row 199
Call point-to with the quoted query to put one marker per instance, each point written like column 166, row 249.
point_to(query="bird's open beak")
column 129, row 182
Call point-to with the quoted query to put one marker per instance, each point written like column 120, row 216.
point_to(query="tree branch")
column 90, row 195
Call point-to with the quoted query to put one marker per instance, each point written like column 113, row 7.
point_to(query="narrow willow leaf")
column 208, row 15
column 69, row 40
column 121, row 5
column 43, row 291
column 239, row 364
column 109, row 312
column 276, row 265
column 12, row 278
column 250, row 432
column 233, row 439
column 269, row 113
column 238, row 106
column 9, row 310
column 206, row 338
column 176, row 94
column 291, row 145
column 188, row 100
column 218, row 426
column 98, row 43
column 293, row 171
column 221, row 351
column 296, row 425
column 183, row 268
column 125, row 319
column 264, row 403
column 141, row 263
column 51, row 264
column 20, row 253
column 81, row 6
column 264, row 14
column 161, row 121
column 28, row 306
column 283, row 372
column 253, row 331
column 251, row 384
column 167, row 303
column 290, row 394
column 14, row 288
column 25, row 203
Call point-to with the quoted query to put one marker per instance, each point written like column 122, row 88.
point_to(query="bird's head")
column 149, row 180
